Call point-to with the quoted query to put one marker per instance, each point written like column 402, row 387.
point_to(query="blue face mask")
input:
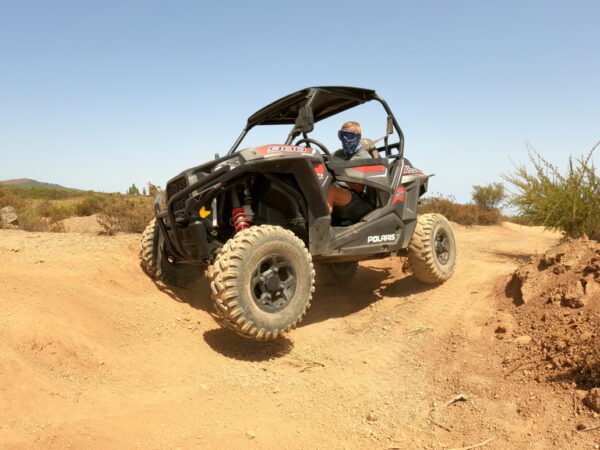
column 350, row 141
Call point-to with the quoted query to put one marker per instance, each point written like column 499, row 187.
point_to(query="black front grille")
column 173, row 188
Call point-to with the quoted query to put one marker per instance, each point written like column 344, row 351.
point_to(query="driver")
column 345, row 200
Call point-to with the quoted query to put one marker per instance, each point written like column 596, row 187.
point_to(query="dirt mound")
column 558, row 317
column 568, row 274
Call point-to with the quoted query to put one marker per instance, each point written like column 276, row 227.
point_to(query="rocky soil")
column 557, row 313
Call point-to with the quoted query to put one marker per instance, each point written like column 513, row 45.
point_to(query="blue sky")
column 97, row 95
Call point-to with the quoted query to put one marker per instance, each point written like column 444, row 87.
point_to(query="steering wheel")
column 313, row 141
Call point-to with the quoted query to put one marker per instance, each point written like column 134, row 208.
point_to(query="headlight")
column 234, row 162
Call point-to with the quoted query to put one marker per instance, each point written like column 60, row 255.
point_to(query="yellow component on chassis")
column 204, row 213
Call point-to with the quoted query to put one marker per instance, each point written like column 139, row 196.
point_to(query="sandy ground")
column 85, row 224
column 93, row 354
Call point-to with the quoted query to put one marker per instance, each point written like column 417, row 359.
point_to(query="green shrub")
column 91, row 204
column 568, row 202
column 489, row 196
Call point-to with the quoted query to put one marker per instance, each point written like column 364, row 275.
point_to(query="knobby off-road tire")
column 328, row 274
column 156, row 262
column 262, row 282
column 432, row 249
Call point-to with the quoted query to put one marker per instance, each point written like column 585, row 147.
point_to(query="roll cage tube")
column 310, row 99
column 398, row 129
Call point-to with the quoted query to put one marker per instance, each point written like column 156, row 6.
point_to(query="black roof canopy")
column 326, row 101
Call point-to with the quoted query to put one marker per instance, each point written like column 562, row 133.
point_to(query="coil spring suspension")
column 240, row 221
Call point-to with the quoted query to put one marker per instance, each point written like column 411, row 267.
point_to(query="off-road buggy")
column 258, row 218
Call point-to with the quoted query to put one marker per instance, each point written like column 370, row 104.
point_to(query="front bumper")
column 186, row 236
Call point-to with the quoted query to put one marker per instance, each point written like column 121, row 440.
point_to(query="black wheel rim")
column 442, row 247
column 273, row 283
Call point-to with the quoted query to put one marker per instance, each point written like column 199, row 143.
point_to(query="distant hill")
column 28, row 183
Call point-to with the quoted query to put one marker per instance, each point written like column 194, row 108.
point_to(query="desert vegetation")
column 119, row 212
column 45, row 208
column 485, row 209
column 569, row 201
column 543, row 195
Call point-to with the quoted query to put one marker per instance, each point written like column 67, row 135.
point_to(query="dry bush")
column 125, row 213
column 464, row 214
column 487, row 216
column 30, row 219
column 54, row 211
column 43, row 208
column 29, row 213
column 153, row 189
column 58, row 213
column 7, row 198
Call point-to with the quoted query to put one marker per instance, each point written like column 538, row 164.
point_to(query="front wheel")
column 262, row 282
column 159, row 265
column 432, row 249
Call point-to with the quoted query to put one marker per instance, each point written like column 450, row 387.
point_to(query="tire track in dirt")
column 465, row 297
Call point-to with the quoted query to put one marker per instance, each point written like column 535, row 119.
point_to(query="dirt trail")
column 93, row 354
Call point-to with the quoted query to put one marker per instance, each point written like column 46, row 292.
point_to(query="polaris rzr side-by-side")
column 259, row 220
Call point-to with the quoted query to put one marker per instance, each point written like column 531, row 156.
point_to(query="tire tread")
column 224, row 294
column 421, row 252
column 149, row 260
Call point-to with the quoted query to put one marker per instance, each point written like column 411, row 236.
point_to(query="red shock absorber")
column 240, row 221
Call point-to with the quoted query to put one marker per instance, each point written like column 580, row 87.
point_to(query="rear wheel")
column 159, row 265
column 335, row 273
column 262, row 282
column 432, row 249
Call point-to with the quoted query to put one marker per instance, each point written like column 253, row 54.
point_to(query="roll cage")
column 304, row 108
